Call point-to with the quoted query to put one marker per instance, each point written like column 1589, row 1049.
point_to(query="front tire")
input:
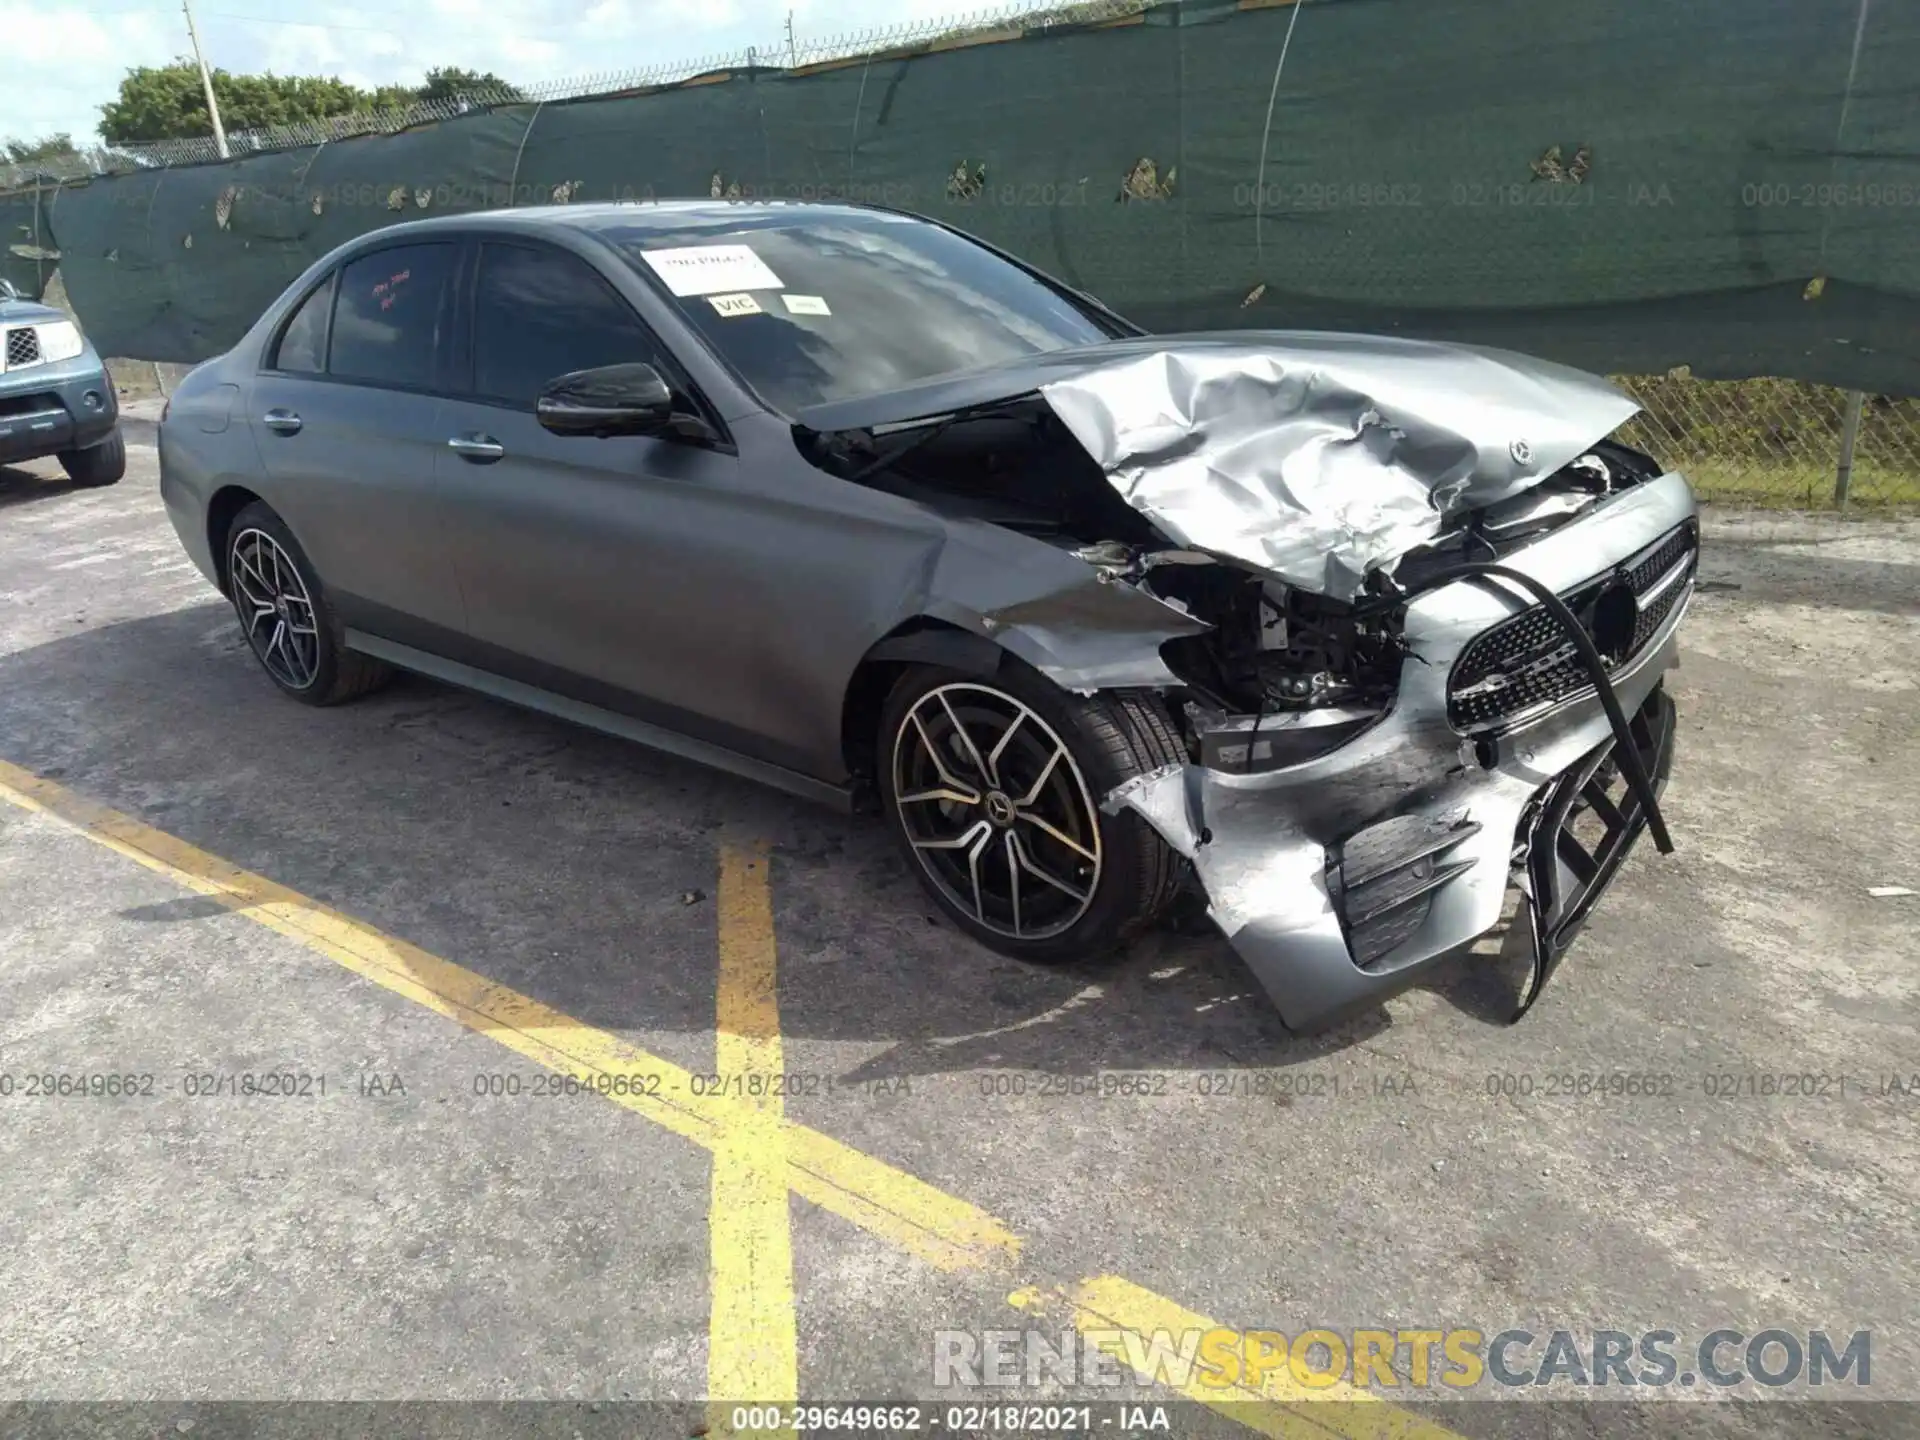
column 992, row 786
column 285, row 617
column 102, row 464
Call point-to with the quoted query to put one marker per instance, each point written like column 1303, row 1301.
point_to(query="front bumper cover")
column 45, row 409
column 1343, row 879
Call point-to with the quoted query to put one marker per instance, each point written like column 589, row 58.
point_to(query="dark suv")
column 56, row 397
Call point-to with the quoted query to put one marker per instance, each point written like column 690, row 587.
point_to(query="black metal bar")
column 1630, row 763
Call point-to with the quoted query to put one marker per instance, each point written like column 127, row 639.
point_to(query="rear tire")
column 102, row 464
column 285, row 617
column 992, row 787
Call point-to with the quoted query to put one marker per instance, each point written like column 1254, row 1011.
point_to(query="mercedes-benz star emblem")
column 1615, row 613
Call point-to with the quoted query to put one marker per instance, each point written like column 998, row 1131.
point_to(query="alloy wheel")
column 997, row 811
column 275, row 608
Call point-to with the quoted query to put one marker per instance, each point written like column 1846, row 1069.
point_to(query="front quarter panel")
column 795, row 577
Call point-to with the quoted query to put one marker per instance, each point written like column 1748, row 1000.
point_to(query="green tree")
column 166, row 103
column 27, row 152
column 391, row 97
column 448, row 81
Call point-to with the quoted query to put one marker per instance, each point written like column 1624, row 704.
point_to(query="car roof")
column 666, row 217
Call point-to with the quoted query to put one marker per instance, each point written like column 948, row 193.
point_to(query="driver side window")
column 539, row 313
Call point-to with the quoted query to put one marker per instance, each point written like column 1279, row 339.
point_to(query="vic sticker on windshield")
column 711, row 269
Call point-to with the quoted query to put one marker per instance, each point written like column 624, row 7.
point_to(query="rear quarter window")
column 302, row 346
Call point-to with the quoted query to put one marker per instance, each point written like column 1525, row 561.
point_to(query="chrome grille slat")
column 1525, row 662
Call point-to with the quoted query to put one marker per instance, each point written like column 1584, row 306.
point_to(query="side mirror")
column 611, row 400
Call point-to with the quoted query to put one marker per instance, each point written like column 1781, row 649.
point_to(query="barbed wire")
column 1020, row 16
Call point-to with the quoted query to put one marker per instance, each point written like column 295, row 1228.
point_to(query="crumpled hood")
column 1321, row 457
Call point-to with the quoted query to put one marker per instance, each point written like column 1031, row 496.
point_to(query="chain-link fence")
column 1780, row 443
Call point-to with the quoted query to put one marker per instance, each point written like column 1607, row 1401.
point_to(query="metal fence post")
column 39, row 243
column 1849, row 435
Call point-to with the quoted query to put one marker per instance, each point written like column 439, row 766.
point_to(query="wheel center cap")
column 999, row 809
column 280, row 606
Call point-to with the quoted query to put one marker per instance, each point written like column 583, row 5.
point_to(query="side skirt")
column 609, row 722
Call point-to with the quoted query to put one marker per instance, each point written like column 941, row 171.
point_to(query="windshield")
column 811, row 306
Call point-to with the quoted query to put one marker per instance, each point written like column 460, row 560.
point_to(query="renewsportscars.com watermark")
column 1450, row 1359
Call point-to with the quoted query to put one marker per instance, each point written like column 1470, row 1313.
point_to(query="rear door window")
column 391, row 319
column 540, row 313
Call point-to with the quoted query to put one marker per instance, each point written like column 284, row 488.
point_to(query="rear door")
column 599, row 568
column 348, row 417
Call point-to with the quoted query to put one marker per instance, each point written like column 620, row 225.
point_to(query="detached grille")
column 23, row 347
column 1527, row 662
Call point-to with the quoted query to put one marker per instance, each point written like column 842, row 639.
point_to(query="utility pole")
column 206, row 81
column 793, row 61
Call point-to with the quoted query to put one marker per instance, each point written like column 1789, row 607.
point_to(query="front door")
column 597, row 568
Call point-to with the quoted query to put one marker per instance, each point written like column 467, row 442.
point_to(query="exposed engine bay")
column 1272, row 648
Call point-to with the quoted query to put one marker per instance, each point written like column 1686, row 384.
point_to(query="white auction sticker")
column 742, row 304
column 711, row 269
column 806, row 305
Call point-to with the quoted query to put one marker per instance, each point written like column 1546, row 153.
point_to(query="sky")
column 60, row 62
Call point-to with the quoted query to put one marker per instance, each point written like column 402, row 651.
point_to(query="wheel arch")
column 226, row 503
column 919, row 640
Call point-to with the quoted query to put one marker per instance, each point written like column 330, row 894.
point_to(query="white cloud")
column 60, row 62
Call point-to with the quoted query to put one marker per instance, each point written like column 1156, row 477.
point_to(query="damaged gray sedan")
column 1354, row 637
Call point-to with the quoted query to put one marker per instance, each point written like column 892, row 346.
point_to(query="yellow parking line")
column 942, row 1229
column 926, row 1222
column 752, row 1352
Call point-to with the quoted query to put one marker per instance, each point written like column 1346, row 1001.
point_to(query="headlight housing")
column 60, row 340
column 42, row 343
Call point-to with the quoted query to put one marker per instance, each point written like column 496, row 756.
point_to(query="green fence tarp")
column 26, row 239
column 1728, row 184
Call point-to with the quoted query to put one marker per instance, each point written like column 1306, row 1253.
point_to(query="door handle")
column 477, row 448
column 281, row 422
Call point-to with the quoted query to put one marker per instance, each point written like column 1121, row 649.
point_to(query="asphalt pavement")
column 425, row 1049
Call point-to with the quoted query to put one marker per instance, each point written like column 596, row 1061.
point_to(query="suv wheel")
column 102, row 464
column 284, row 613
column 992, row 787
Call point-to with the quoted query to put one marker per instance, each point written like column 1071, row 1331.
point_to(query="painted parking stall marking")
column 928, row 1223
column 757, row 1149
column 751, row 1347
